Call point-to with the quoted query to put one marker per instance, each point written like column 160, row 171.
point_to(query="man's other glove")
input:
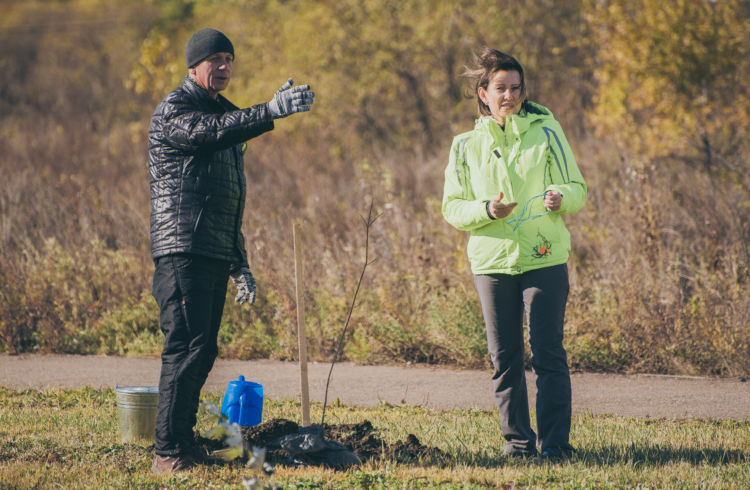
column 245, row 283
column 287, row 100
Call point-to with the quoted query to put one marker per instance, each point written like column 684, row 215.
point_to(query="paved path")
column 438, row 388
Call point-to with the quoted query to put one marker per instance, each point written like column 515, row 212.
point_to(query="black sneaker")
column 553, row 455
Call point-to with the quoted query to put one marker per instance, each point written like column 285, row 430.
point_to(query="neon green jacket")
column 528, row 158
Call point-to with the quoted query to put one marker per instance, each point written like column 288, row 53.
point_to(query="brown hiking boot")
column 172, row 464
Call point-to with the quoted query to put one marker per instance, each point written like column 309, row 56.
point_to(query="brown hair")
column 487, row 62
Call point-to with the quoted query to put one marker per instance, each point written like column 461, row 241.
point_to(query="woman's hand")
column 552, row 200
column 500, row 210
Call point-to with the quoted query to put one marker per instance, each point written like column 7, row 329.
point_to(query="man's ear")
column 191, row 71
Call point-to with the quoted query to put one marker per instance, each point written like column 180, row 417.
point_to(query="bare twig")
column 368, row 223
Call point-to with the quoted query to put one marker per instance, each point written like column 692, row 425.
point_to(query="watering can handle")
column 243, row 397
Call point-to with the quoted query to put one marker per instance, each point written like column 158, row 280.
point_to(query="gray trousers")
column 542, row 294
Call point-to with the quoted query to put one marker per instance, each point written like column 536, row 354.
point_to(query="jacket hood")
column 516, row 123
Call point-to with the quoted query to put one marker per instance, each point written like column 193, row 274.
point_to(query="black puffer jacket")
column 196, row 173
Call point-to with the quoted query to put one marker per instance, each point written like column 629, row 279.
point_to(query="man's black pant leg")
column 190, row 291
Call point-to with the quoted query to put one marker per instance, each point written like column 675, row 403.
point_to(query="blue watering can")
column 243, row 402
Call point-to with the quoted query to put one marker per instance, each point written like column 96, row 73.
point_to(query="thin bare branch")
column 368, row 223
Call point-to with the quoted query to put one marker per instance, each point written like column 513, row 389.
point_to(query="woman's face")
column 503, row 95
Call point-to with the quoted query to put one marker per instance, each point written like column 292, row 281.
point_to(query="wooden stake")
column 301, row 331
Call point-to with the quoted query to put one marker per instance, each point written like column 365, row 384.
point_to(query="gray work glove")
column 245, row 283
column 287, row 100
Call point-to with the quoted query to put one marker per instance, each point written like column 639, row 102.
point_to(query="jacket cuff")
column 266, row 112
column 487, row 208
column 563, row 203
column 236, row 267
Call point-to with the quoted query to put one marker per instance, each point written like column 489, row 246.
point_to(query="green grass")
column 69, row 439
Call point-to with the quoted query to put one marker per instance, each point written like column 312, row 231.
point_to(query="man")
column 196, row 145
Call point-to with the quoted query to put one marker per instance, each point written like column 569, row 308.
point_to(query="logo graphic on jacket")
column 543, row 249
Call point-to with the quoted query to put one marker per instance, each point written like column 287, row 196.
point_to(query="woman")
column 509, row 182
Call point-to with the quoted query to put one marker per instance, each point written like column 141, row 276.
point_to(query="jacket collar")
column 516, row 124
column 192, row 87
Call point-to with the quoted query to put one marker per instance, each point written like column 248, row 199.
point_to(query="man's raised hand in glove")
column 245, row 283
column 288, row 100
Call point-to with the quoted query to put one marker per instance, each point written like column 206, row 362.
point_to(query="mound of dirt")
column 361, row 439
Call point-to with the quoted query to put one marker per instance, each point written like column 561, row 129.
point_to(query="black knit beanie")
column 204, row 43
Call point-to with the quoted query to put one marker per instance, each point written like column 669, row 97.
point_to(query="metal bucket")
column 137, row 408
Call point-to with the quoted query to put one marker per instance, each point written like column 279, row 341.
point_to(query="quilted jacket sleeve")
column 189, row 130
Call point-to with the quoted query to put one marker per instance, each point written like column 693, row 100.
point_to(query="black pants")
column 542, row 293
column 190, row 291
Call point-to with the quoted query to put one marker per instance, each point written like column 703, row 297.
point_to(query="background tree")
column 671, row 79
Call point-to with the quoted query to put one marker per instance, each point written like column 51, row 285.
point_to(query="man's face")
column 213, row 73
